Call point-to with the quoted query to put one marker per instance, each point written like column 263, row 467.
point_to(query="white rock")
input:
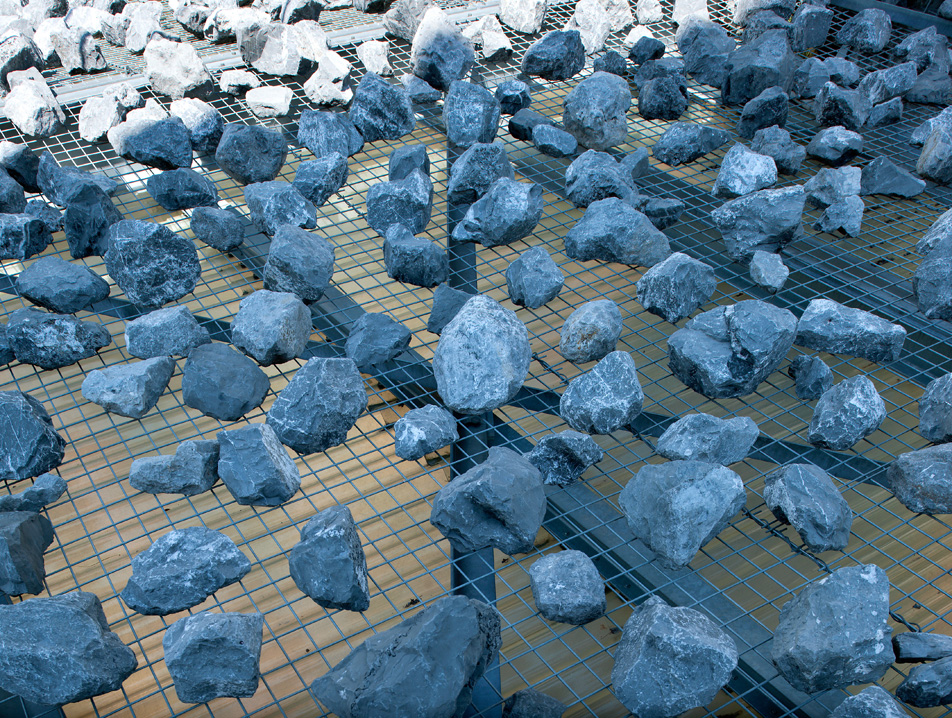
column 523, row 15
column 86, row 18
column 619, row 13
column 592, row 21
column 326, row 93
column 310, row 40
column 237, row 82
column 28, row 107
column 649, row 11
column 43, row 37
column 634, row 35
column 144, row 20
column 684, row 9
column 102, row 113
column 269, row 101
column 375, row 55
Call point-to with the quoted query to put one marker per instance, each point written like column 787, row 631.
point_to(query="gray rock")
column 151, row 264
column 729, row 351
column 938, row 236
column 325, row 133
column 61, row 286
column 705, row 46
column 46, row 490
column 935, row 160
column 250, row 154
column 611, row 62
column 375, row 56
column 528, row 703
column 846, row 413
column 191, row 470
column 29, row 444
column 404, row 160
column 513, row 95
column 32, row 108
column 558, row 55
column 440, row 54
column 685, row 142
column 470, row 114
column 237, row 82
column 612, row 231
column 523, row 124
column 873, row 702
column 928, row 686
column 882, row 176
column 419, row 92
column 144, row 23
column 646, row 48
column 88, row 216
column 746, row 10
column 181, row 569
column 271, row 327
column 925, row 48
column 165, row 332
column 255, row 467
column 403, row 17
column 567, row 588
column 837, row 107
column 649, row 11
column 408, row 202
column 182, row 189
column 594, row 111
column 662, row 211
column 482, row 357
column 594, row 23
column 812, row 376
column 318, row 179
column 830, row 186
column 846, row 215
column 508, row 211
column 768, row 271
column 376, row 339
column 424, row 430
column 299, row 262
column 129, row 389
column 561, row 458
column 404, row 671
column 328, row 564
column 78, row 51
column 475, row 171
column 828, row 326
column 533, row 279
column 835, row 145
column 678, row 506
column 834, row 633
column 922, row 480
column 933, row 86
column 319, row 405
column 192, row 16
column 606, row 398
column 811, row 26
column 213, row 655
column 12, row 199
column 676, row 286
column 665, row 67
column 670, row 660
column 24, row 536
column 594, row 176
column 591, row 331
column 919, row 646
column 743, row 172
column 663, row 98
column 17, row 52
column 447, row 302
column 499, row 503
column 221, row 383
column 767, row 109
column 381, row 111
column 867, row 31
column 810, row 78
column 766, row 61
column 46, row 213
column 220, row 229
column 768, row 219
column 51, row 341
column 21, row 163
column 804, row 496
column 888, row 83
column 414, row 260
column 71, row 655
column 935, row 410
column 204, row 123
column 554, row 142
column 702, row 437
column 277, row 203
column 58, row 184
column 162, row 143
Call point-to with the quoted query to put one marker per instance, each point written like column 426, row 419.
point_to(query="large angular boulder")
column 606, row 398
column 71, row 654
column 319, row 405
column 729, row 351
column 299, row 262
column 271, row 327
column 381, row 110
column 804, row 496
column 426, row 666
column 255, row 467
column 611, row 230
column 59, row 183
column 922, row 480
column 129, row 389
column 594, row 111
column 499, row 503
column 51, row 341
column 509, row 211
column 675, row 287
column 30, row 444
column 328, row 564
column 165, row 332
column 482, row 357
column 829, row 326
column 835, row 632
column 24, row 536
column 846, row 413
column 440, row 54
column 61, row 286
column 89, row 214
column 421, row 431
column 567, row 588
column 251, row 154
column 191, row 470
column 702, row 437
column 181, row 569
column 768, row 219
column 414, row 260
column 221, row 382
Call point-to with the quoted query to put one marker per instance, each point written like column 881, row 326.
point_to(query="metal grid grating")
column 742, row 578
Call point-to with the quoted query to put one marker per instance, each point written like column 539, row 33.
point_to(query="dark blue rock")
column 59, row 183
column 528, row 703
column 611, row 62
column 533, row 278
column 164, row 144
column 594, row 176
column 22, row 236
column 404, row 160
column 376, row 339
column 470, row 114
column 702, row 437
column 221, row 229
column 509, row 211
column 88, row 216
column 612, row 231
column 662, row 99
column 12, row 198
column 46, row 490
column 191, row 470
column 299, row 262
column 552, row 141
column 440, row 54
column 165, row 332
column 46, row 213
column 608, row 397
column 408, row 202
column 24, row 536
column 829, row 326
column 380, row 110
column 766, row 61
column 562, row 458
column 255, row 467
column 567, row 588
column 447, row 302
column 21, row 163
column 61, row 286
column 325, row 133
column 30, row 444
column 675, row 287
column 424, row 430
column 804, row 496
column 685, row 142
column 51, row 341
column 474, row 172
column 591, row 331
column 558, row 55
column 513, row 95
column 812, row 376
column 129, row 389
column 276, row 203
column 251, row 154
column 271, row 327
column 182, row 189
column 846, row 413
column 414, row 260
column 318, row 179
column 222, row 383
column 645, row 49
column 523, row 122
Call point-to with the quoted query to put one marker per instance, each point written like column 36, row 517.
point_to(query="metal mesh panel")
column 741, row 579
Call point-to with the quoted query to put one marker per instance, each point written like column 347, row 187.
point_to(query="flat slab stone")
column 51, row 341
column 567, row 588
column 702, row 437
column 606, row 398
column 804, row 496
column 828, row 326
column 919, row 646
column 255, row 467
column 61, row 286
column 222, row 383
column 422, row 431
column 846, row 413
column 129, row 389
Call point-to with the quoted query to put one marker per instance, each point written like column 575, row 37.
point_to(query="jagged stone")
column 175, row 69
column 59, row 183
column 161, row 143
column 885, row 113
column 375, row 56
column 928, row 686
column 810, row 78
column 702, row 437
column 165, row 332
column 646, row 48
column 742, row 172
column 837, row 107
column 470, row 114
column 404, row 160
column 533, row 278
column 919, row 646
column 765, row 62
column 22, row 236
column 51, row 341
column 606, row 398
column 867, row 31
column 191, row 470
column 679, row 506
column 17, row 53
column 447, row 302
column 834, row 633
column 685, row 142
column 922, row 480
column 846, row 215
column 811, row 26
column 422, row 431
column 21, row 163
column 670, row 660
column 255, row 467
column 611, row 62
column 935, row 160
column 509, row 211
column 271, row 327
column 873, row 702
column 61, row 286
column 552, row 141
column 488, row 34
column 745, row 11
column 299, row 262
column 663, row 98
column 408, row 202
column 649, row 11
column 129, row 389
column 933, row 86
column 672, row 67
column 32, row 108
column 835, row 145
column 767, row 109
column 594, row 111
column 418, row 91
column 319, row 405
column 277, row 203
column 768, row 270
column 222, row 383
column 330, row 84
column 925, row 48
column 846, row 413
column 499, row 502
column 676, row 286
column 24, row 536
column 729, row 351
column 182, row 189
column 523, row 16
column 705, row 47
column 237, row 82
column 612, row 231
column 591, row 331
column 88, row 216
column 557, row 55
column 935, row 410
column 832, row 185
column 888, row 83
column 561, row 458
column 271, row 48
column 594, row 176
column 46, row 213
column 528, row 703
column 804, row 496
column 523, row 124
column 29, row 443
column 440, row 53
column 318, row 179
column 475, row 171
column 269, row 101
column 101, row 113
column 767, row 219
column 325, row 133
column 250, row 154
column 567, row 588
column 376, row 339
column 46, row 490
column 71, row 655
column 414, row 260
column 220, row 229
column 828, row 326
column 938, row 236
column 403, row 17
column 812, row 376
column 513, row 95
column 78, row 51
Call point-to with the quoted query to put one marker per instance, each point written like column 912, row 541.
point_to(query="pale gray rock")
column 51, row 341
column 24, row 536
column 935, row 410
column 835, row 632
column 33, row 109
column 204, row 123
column 29, row 445
column 557, row 55
column 768, row 270
column 403, row 17
column 835, row 145
column 606, row 398
column 612, row 231
column 509, row 211
column 649, row 11
column 255, row 467
column 250, row 154
column 17, row 53
column 768, row 219
column 562, row 458
column 129, row 389
column 375, row 56
column 828, row 326
column 868, row 31
column 440, row 54
column 804, row 496
column 78, row 51
column 482, row 357
column 499, row 503
column 181, row 569
column 470, row 114
column 524, row 16
column 299, row 262
column 46, row 490
column 676, row 286
column 191, row 470
column 591, row 331
column 103, row 112
column 271, row 327
column 567, row 588
column 319, row 405
column 165, row 332
column 922, row 480
column 222, row 383
column 670, row 660
column 742, row 172
column 475, row 171
column 594, row 111
column 679, row 506
column 702, row 437
column 685, row 142
column 61, row 286
column 408, row 202
column 375, row 339
column 422, row 431
column 534, row 279
column 271, row 48
column 846, row 413
column 237, row 82
column 812, row 376
column 593, row 23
